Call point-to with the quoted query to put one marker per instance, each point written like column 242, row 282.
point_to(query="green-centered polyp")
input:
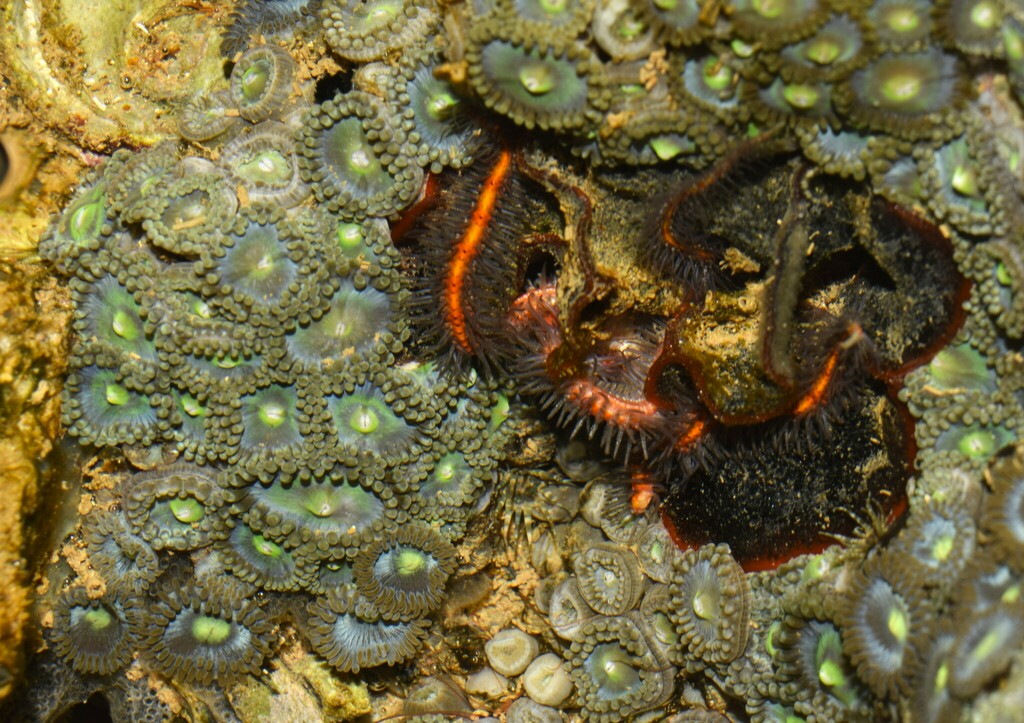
column 270, row 419
column 405, row 575
column 452, row 481
column 320, row 511
column 257, row 265
column 261, row 81
column 194, row 635
column 109, row 313
column 907, row 94
column 259, row 559
column 356, row 319
column 101, row 410
column 366, row 423
column 533, row 86
column 93, row 635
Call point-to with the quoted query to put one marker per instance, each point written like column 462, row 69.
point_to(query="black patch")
column 771, row 504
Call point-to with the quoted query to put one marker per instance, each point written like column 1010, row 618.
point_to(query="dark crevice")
column 96, row 709
column 597, row 309
column 331, row 85
column 542, row 267
column 849, row 263
column 5, row 162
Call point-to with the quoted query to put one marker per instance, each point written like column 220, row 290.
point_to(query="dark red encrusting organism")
column 810, row 439
column 766, row 407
